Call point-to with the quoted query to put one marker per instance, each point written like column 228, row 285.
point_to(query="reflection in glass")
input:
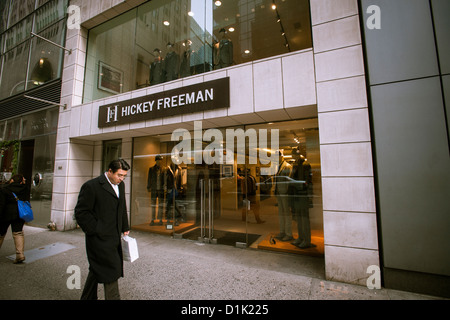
column 167, row 40
column 267, row 205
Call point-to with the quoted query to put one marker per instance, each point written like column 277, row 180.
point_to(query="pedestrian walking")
column 102, row 214
column 9, row 213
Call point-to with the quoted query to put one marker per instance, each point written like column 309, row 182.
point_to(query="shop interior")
column 235, row 203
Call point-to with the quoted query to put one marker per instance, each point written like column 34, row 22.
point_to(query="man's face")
column 117, row 177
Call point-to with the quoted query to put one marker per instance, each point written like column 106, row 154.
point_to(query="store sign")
column 195, row 98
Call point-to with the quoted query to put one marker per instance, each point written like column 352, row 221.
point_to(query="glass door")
column 255, row 186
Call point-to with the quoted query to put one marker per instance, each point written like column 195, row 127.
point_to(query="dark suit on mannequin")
column 281, row 192
column 171, row 63
column 155, row 185
column 172, row 181
column 300, row 201
column 157, row 69
column 223, row 51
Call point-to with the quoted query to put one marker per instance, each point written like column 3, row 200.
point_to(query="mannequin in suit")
column 156, row 69
column 173, row 187
column 281, row 192
column 301, row 171
column 171, row 63
column 155, row 185
column 185, row 67
column 223, row 51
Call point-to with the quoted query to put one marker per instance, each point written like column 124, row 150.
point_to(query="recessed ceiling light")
column 190, row 13
column 166, row 23
column 218, row 3
column 231, row 29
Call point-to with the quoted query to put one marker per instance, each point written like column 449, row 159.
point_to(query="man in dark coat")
column 102, row 214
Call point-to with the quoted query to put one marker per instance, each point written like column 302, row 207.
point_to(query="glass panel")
column 250, row 200
column 2, row 130
column 45, row 58
column 40, row 123
column 175, row 39
column 14, row 71
column 289, row 192
column 247, row 30
column 41, row 177
column 153, row 201
column 18, row 33
column 49, row 14
column 109, row 64
column 12, row 130
column 19, row 10
column 112, row 150
column 4, row 6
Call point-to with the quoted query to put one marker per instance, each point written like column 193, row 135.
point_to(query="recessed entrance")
column 240, row 192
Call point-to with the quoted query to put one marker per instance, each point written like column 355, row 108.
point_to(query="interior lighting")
column 190, row 14
column 218, row 3
column 231, row 29
column 166, row 23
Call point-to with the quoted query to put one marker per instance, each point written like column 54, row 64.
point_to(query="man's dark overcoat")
column 103, row 217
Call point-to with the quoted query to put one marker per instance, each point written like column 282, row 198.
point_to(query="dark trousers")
column 91, row 286
column 16, row 226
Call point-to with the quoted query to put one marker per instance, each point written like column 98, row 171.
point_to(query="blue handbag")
column 25, row 212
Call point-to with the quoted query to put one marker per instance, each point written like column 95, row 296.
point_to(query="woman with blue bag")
column 9, row 213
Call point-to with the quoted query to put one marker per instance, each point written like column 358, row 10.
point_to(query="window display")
column 272, row 205
column 162, row 40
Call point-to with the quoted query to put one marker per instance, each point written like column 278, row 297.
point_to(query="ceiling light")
column 247, row 51
column 166, row 23
column 274, row 7
column 190, row 13
column 231, row 29
column 218, row 3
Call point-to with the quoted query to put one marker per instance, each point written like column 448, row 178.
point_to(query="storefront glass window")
column 112, row 150
column 40, row 123
column 236, row 190
column 29, row 62
column 161, row 41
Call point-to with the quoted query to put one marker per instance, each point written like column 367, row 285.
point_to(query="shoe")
column 152, row 223
column 160, row 223
column 280, row 236
column 287, row 238
column 260, row 221
column 305, row 245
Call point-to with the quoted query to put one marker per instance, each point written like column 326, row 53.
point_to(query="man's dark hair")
column 118, row 164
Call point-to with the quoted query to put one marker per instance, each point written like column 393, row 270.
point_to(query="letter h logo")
column 112, row 114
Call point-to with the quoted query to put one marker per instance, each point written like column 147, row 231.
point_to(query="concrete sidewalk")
column 174, row 269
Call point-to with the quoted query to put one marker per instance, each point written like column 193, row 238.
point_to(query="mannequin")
column 171, row 63
column 173, row 187
column 156, row 68
column 300, row 201
column 185, row 67
column 223, row 51
column 155, row 185
column 281, row 192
